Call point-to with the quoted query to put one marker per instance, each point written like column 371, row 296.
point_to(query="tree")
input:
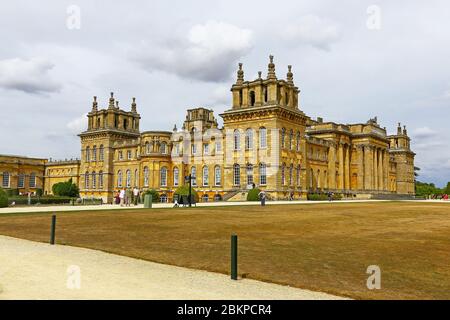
column 184, row 191
column 426, row 189
column 154, row 194
column 253, row 194
column 3, row 199
column 447, row 189
column 66, row 189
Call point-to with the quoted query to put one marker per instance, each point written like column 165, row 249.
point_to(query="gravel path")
column 33, row 270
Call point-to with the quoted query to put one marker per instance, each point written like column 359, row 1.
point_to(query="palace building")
column 266, row 141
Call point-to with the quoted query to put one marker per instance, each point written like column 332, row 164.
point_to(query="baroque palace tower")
column 266, row 141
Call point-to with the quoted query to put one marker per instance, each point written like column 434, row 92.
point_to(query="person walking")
column 122, row 197
column 262, row 198
column 136, row 196
column 128, row 196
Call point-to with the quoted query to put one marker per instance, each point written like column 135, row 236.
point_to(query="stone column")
column 341, row 166
column 368, row 163
column 347, row 168
column 332, row 166
column 360, row 155
column 374, row 169
column 386, row 170
column 380, row 171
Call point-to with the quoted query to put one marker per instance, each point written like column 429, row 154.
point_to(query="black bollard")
column 52, row 231
column 234, row 257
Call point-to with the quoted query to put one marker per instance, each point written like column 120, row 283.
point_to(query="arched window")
column 311, row 178
column 325, row 180
column 298, row 176
column 94, row 180
column 283, row 172
column 119, row 178
column 163, row 177
column 249, row 174
column 237, row 140
column 148, row 147
column 262, row 174
column 86, row 180
column 319, row 180
column 249, row 139
column 94, row 153
column 217, row 176
column 98, row 123
column 283, row 137
column 205, row 176
column 265, row 94
column 194, row 176
column 101, row 153
column 32, row 181
column 21, row 181
column 252, row 98
column 146, row 176
column 6, row 180
column 217, row 197
column 291, row 174
column 262, row 137
column 128, row 178
column 163, row 148
column 125, row 124
column 88, row 154
column 163, row 198
column 176, row 176
column 100, row 179
column 291, row 139
column 236, row 175
column 205, row 198
column 298, row 142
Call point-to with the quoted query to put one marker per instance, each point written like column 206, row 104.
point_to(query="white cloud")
column 209, row 52
column 77, row 125
column 312, row 30
column 424, row 133
column 30, row 76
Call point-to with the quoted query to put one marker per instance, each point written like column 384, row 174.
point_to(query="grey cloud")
column 30, row 76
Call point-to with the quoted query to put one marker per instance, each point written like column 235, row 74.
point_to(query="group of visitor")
column 127, row 196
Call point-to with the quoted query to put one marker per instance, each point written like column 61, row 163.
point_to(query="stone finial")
column 271, row 69
column 95, row 104
column 111, row 101
column 404, row 131
column 259, row 74
column 175, row 129
column 240, row 74
column 399, row 129
column 290, row 75
column 133, row 105
column 117, row 104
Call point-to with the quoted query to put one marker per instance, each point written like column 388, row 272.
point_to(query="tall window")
column 298, row 175
column 249, row 174
column 163, row 177
column 163, row 148
column 21, row 181
column 176, row 176
column 148, row 147
column 120, row 155
column 119, row 178
column 218, row 146
column 206, row 148
column 205, row 176
column 291, row 174
column 32, row 182
column 88, row 154
column 298, row 141
column 217, row 176
column 6, row 180
column 262, row 174
column 283, row 137
column 283, row 174
column 194, row 176
column 86, row 180
column 291, row 139
column 94, row 153
column 100, row 179
column 94, row 180
column 129, row 154
column 194, row 148
column 262, row 138
column 128, row 178
column 146, row 176
column 136, row 178
column 101, row 153
column 236, row 175
column 252, row 98
column 249, row 139
column 236, row 140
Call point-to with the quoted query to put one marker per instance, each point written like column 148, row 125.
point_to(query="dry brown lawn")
column 322, row 247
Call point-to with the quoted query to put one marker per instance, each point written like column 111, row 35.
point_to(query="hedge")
column 184, row 191
column 41, row 200
column 253, row 194
column 3, row 199
column 323, row 196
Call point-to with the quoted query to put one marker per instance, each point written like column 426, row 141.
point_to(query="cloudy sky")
column 351, row 62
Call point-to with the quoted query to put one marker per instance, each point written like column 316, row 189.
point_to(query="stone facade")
column 22, row 173
column 266, row 141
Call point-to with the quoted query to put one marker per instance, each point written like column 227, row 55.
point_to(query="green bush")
column 184, row 191
column 323, row 196
column 39, row 192
column 66, row 189
column 42, row 200
column 12, row 192
column 3, row 199
column 253, row 194
column 154, row 194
